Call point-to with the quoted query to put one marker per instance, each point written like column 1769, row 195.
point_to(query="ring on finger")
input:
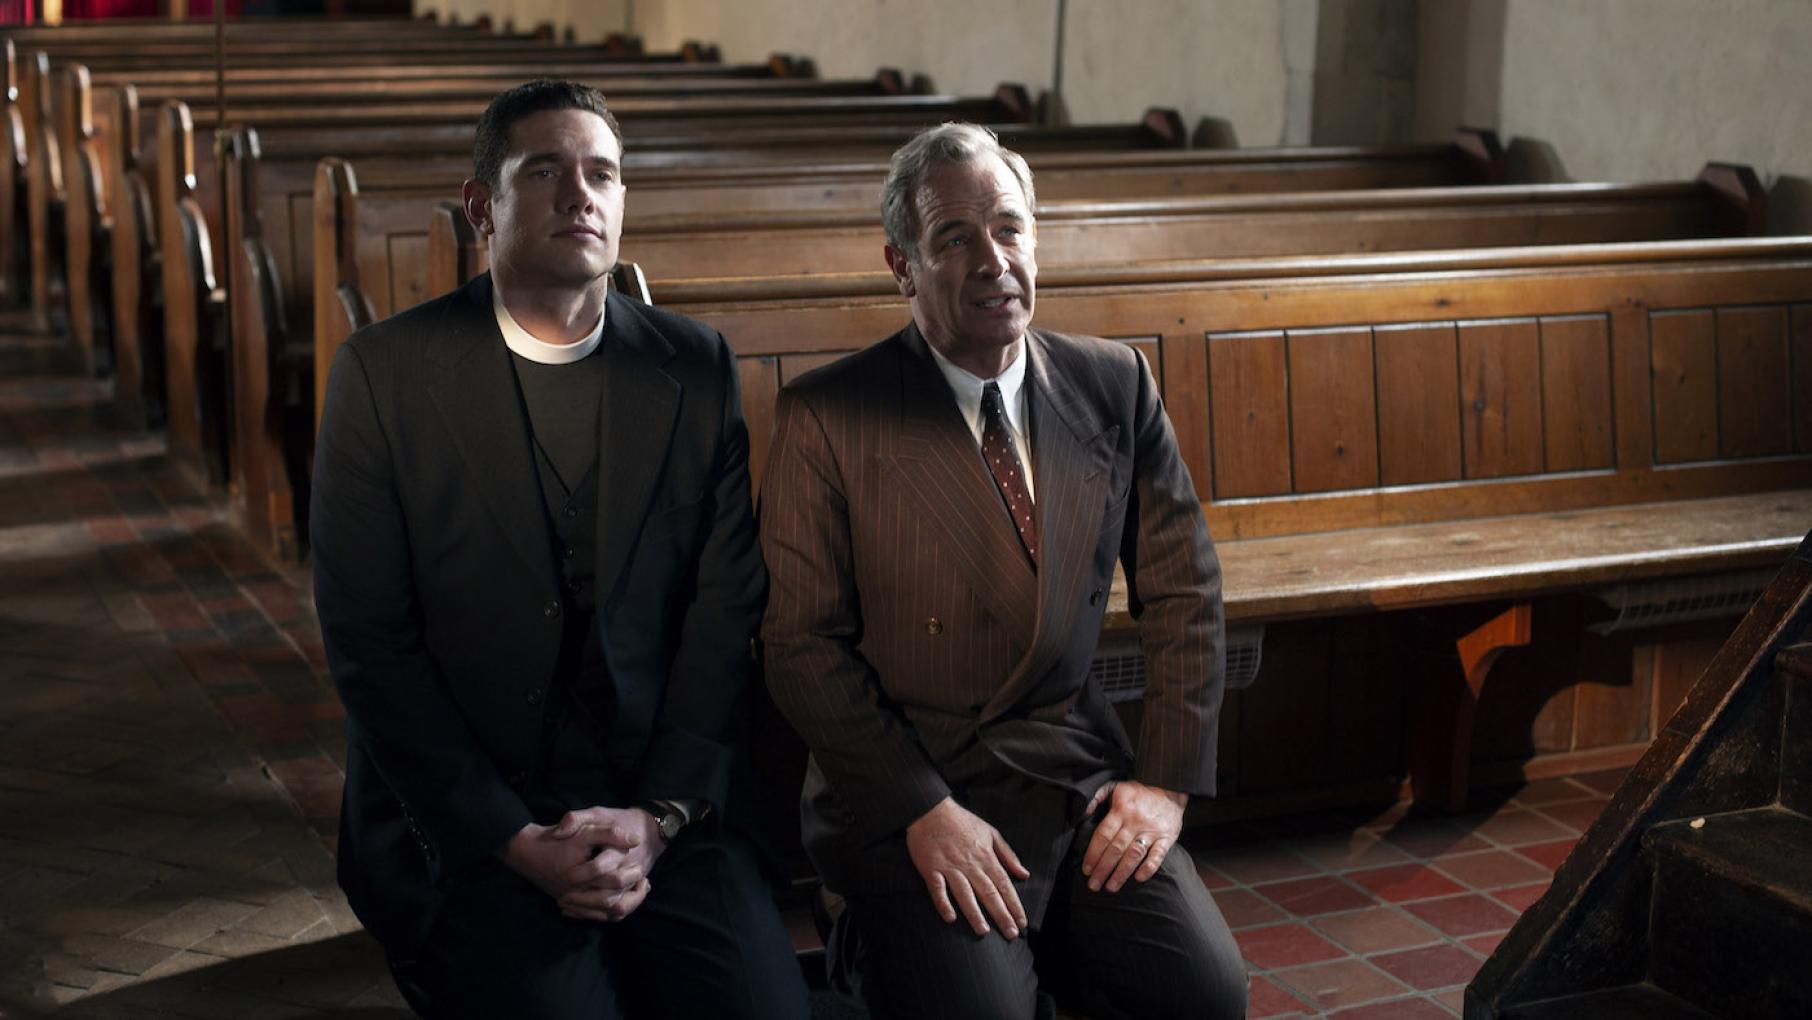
column 1143, row 843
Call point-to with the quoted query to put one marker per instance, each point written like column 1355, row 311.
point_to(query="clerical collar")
column 967, row 388
column 523, row 343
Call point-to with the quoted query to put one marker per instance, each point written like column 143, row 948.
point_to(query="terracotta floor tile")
column 1554, row 791
column 1471, row 914
column 1251, row 865
column 1453, row 998
column 1212, row 878
column 1491, row 869
column 1284, row 945
column 1376, row 930
column 1401, row 883
column 1484, row 945
column 1264, row 998
column 1346, row 851
column 1416, row 1008
column 1244, row 909
column 1432, row 837
column 1307, row 897
column 1579, row 815
column 1430, row 967
column 1522, row 897
column 1605, row 782
column 1340, row 983
column 1515, row 828
column 1548, row 855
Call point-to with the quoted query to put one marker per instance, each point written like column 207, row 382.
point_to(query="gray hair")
column 950, row 142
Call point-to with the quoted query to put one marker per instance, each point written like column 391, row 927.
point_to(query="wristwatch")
column 667, row 818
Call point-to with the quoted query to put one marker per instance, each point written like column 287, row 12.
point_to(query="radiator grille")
column 1681, row 600
column 1119, row 666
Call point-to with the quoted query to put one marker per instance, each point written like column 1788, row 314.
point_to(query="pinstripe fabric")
column 908, row 638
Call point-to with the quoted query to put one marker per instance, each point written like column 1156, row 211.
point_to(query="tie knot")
column 990, row 398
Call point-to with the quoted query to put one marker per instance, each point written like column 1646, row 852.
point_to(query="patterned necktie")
column 1003, row 464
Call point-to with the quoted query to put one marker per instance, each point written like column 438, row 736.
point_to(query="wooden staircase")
column 1692, row 894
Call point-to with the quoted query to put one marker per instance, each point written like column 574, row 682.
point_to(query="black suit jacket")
column 439, row 595
column 911, row 643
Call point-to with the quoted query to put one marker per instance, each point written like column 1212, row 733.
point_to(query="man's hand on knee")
column 966, row 863
column 1142, row 824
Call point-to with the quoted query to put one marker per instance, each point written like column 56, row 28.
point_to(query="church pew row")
column 719, row 120
column 80, row 126
column 186, row 194
column 28, row 74
column 1448, row 447
column 272, row 321
column 374, row 242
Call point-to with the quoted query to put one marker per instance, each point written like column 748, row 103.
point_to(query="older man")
column 941, row 518
column 538, row 580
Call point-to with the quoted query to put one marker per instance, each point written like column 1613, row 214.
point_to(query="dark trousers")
column 1155, row 949
column 706, row 942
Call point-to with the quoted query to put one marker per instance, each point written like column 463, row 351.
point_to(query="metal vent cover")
column 1119, row 665
column 1681, row 600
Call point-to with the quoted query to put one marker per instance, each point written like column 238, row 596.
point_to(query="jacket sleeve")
column 394, row 693
column 690, row 754
column 819, row 680
column 1174, row 592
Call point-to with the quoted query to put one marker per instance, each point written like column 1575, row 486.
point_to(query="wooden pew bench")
column 1462, row 434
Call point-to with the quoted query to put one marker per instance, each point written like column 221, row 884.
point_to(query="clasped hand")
column 966, row 864
column 594, row 863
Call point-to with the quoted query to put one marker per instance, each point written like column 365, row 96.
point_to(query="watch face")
column 670, row 822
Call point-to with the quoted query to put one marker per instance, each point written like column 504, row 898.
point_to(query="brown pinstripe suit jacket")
column 913, row 646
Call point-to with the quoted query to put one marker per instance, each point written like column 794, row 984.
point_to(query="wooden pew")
column 1478, row 431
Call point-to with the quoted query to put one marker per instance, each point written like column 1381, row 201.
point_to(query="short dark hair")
column 493, row 142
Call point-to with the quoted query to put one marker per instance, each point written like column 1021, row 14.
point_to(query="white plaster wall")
column 1207, row 58
column 966, row 46
column 1630, row 90
column 1224, row 58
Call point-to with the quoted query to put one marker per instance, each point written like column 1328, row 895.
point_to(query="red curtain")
column 15, row 12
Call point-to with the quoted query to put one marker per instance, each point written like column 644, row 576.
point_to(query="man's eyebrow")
column 542, row 158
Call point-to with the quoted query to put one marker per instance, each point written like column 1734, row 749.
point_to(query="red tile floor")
column 171, row 754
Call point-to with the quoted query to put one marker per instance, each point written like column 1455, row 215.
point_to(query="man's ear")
column 902, row 270
column 477, row 200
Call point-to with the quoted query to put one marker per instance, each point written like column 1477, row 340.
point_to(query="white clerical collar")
column 967, row 387
column 523, row 343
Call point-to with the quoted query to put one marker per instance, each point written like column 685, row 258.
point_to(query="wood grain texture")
column 1684, row 366
column 1333, row 410
column 793, row 366
column 1249, row 385
column 1500, row 398
column 1418, row 404
column 1632, row 389
column 1613, row 702
column 1185, row 388
column 1754, row 405
column 1576, row 395
column 1802, row 378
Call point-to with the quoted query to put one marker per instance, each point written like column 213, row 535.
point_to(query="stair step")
column 1731, row 927
column 1631, row 1002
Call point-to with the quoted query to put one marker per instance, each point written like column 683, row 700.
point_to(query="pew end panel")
column 273, row 375
column 137, row 296
column 15, row 210
column 1742, row 189
column 1484, row 152
column 196, row 384
column 87, row 243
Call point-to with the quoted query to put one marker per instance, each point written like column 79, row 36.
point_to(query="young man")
column 941, row 517
column 537, row 577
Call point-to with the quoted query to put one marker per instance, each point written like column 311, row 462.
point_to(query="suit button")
column 534, row 697
column 1094, row 597
column 551, row 610
column 934, row 626
column 570, row 512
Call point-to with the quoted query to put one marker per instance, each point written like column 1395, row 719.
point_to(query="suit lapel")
column 1071, row 454
column 641, row 407
column 474, row 390
column 939, row 467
